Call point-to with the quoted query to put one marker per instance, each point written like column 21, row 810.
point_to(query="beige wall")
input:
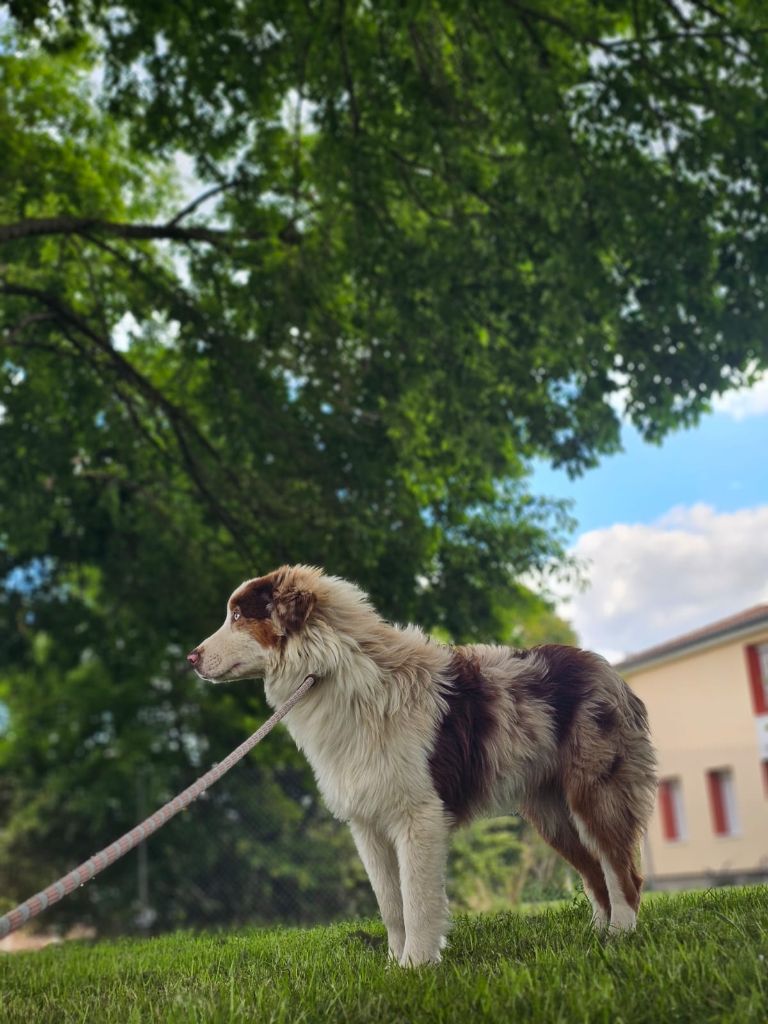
column 701, row 715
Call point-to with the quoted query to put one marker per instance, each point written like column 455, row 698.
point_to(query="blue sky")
column 723, row 462
column 670, row 537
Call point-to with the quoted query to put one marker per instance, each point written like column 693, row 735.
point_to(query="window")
column 671, row 807
column 722, row 802
column 757, row 662
column 764, row 767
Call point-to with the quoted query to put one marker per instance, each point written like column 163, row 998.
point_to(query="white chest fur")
column 370, row 763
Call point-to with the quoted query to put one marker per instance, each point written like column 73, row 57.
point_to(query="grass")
column 697, row 957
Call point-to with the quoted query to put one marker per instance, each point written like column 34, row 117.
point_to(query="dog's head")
column 263, row 614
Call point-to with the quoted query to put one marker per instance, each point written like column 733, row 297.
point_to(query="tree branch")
column 353, row 106
column 191, row 207
column 36, row 226
column 616, row 45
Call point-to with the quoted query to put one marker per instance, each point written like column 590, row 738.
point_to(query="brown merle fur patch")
column 272, row 595
column 263, row 632
column 568, row 679
column 255, row 599
column 460, row 764
column 604, row 717
column 612, row 768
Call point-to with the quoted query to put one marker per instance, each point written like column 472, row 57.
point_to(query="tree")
column 423, row 244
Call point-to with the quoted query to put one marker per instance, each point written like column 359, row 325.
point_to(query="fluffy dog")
column 409, row 738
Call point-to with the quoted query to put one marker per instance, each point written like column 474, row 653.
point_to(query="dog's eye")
column 235, row 614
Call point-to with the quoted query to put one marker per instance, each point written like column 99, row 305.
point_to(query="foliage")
column 695, row 957
column 315, row 282
column 501, row 862
column 488, row 865
column 535, row 622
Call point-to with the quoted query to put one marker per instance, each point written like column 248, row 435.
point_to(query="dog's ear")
column 292, row 607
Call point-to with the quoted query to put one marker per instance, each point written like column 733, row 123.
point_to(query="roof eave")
column 713, row 640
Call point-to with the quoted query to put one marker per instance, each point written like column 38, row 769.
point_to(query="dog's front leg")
column 422, row 850
column 380, row 861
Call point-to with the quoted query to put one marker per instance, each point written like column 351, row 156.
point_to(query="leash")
column 104, row 858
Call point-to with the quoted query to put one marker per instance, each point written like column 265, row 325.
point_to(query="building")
column 707, row 699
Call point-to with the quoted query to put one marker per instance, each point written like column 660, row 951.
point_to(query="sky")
column 674, row 537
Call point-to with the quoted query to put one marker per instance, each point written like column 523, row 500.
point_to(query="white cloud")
column 744, row 402
column 651, row 582
column 739, row 404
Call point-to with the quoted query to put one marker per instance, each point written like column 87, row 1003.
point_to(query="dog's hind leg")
column 617, row 861
column 380, row 862
column 610, row 794
column 607, row 826
column 550, row 817
column 608, row 774
column 422, row 851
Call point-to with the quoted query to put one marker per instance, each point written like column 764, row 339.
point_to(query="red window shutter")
column 759, row 702
column 667, row 807
column 717, row 803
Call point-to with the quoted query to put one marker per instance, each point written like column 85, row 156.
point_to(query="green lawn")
column 695, row 957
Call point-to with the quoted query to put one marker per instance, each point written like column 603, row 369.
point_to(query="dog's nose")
column 194, row 656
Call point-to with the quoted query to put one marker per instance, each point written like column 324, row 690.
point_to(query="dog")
column 410, row 738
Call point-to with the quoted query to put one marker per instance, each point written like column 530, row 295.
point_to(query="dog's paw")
column 419, row 957
column 623, row 921
column 599, row 919
column 396, row 940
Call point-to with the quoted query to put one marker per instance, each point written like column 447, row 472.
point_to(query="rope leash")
column 89, row 869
